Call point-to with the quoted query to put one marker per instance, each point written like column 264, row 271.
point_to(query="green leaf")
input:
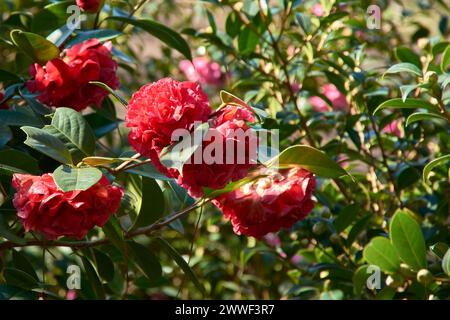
column 60, row 35
column 405, row 54
column 6, row 233
column 145, row 260
column 19, row 278
column 404, row 67
column 346, row 217
column 21, row 262
column 304, row 22
column 18, row 118
column 6, row 76
column 47, row 144
column 69, row 179
column 418, row 116
column 445, row 60
column 111, row 91
column 407, row 89
column 153, row 204
column 446, row 263
column 406, row 176
column 101, row 35
column 381, row 252
column 247, row 41
column 10, row 170
column 398, row 103
column 310, row 159
column 52, row 16
column 439, row 249
column 163, row 33
column 94, row 280
column 360, row 280
column 432, row 164
column 177, row 154
column 407, row 238
column 105, row 266
column 179, row 260
column 20, row 160
column 73, row 130
column 38, row 48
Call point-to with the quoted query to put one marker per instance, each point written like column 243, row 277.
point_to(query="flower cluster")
column 160, row 108
column 64, row 82
column 43, row 207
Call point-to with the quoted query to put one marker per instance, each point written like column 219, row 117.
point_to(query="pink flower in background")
column 317, row 10
column 71, row 295
column 202, row 70
column 272, row 240
column 296, row 259
column 296, row 87
column 337, row 98
column 393, row 128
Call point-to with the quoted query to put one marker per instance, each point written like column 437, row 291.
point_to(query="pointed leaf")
column 310, row 159
column 407, row 238
column 70, row 179
column 434, row 163
column 44, row 142
column 381, row 252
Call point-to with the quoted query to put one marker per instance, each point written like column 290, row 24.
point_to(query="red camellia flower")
column 3, row 106
column 233, row 146
column 270, row 203
column 203, row 70
column 89, row 5
column 43, row 207
column 337, row 98
column 64, row 82
column 158, row 109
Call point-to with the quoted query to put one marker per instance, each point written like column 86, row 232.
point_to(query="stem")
column 93, row 243
column 385, row 162
column 124, row 164
column 443, row 111
column 284, row 67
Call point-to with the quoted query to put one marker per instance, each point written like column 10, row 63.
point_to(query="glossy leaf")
column 37, row 47
column 433, row 164
column 153, row 203
column 407, row 104
column 310, row 159
column 69, row 178
column 160, row 31
column 407, row 239
column 381, row 252
column 419, row 116
column 179, row 260
column 46, row 143
column 146, row 261
column 404, row 67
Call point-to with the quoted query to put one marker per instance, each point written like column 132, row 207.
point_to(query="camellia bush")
column 224, row 149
